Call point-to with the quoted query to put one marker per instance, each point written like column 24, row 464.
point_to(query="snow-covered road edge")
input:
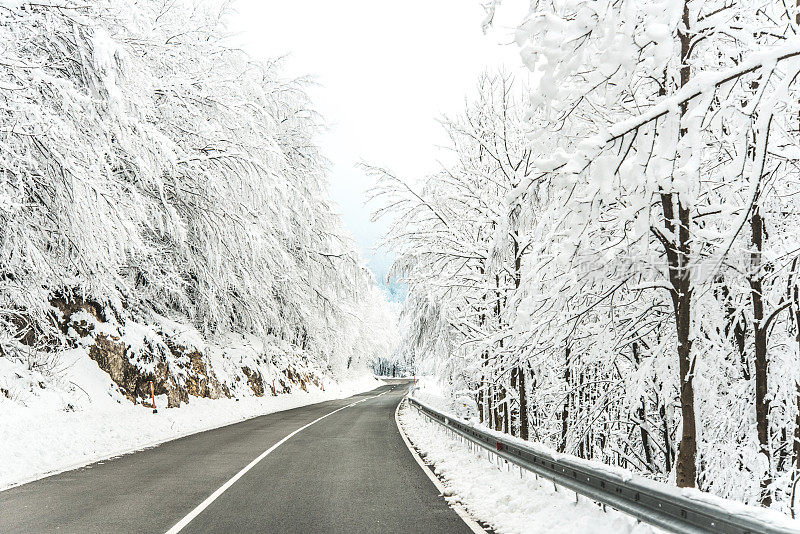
column 499, row 496
column 37, row 444
column 455, row 505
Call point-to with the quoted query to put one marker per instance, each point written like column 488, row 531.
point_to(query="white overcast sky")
column 386, row 71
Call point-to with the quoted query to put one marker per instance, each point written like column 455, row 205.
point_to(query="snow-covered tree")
column 149, row 167
column 653, row 316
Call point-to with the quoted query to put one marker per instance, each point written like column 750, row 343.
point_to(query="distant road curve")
column 336, row 466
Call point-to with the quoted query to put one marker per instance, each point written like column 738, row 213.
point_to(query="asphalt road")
column 349, row 472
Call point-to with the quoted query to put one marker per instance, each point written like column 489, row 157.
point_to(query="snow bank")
column 429, row 393
column 500, row 497
column 50, row 434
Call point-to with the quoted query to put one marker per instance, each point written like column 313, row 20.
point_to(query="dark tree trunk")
column 488, row 394
column 523, row 404
column 760, row 357
column 678, row 256
column 514, row 413
column 668, row 451
column 735, row 324
column 520, row 371
column 562, row 446
column 685, row 468
column 480, row 401
column 641, row 414
column 506, row 421
column 794, row 297
column 678, row 259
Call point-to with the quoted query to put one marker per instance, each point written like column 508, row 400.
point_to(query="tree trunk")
column 506, row 420
column 481, row 394
column 679, row 258
column 562, row 447
column 513, row 423
column 685, row 468
column 521, row 391
column 668, row 446
column 794, row 296
column 496, row 414
column 648, row 456
column 523, row 404
column 641, row 415
column 760, row 357
column 487, row 392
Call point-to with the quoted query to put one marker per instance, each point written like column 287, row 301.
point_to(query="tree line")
column 607, row 262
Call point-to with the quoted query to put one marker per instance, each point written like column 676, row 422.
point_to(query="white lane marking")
column 471, row 523
column 180, row 525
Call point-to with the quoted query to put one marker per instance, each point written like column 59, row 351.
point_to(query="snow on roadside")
column 42, row 439
column 431, row 392
column 498, row 496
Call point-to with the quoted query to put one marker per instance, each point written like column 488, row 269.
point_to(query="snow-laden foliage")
column 611, row 265
column 148, row 167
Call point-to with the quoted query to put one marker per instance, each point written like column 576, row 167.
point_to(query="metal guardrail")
column 649, row 501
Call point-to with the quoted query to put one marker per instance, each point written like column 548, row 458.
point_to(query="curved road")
column 348, row 472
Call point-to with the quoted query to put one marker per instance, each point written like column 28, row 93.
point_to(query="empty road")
column 348, row 472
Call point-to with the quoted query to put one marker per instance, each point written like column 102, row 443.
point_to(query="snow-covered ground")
column 498, row 496
column 49, row 431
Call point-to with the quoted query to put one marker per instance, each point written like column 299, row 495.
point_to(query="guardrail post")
column 153, row 396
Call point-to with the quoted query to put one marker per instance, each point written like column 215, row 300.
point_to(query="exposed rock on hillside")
column 177, row 359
